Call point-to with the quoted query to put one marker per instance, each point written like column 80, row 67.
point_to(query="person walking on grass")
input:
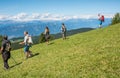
column 5, row 51
column 101, row 19
column 63, row 30
column 27, row 44
column 47, row 34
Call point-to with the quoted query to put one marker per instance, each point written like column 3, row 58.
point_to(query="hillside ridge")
column 93, row 54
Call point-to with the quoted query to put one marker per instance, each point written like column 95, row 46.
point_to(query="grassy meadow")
column 93, row 54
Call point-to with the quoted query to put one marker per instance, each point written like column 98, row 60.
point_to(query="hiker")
column 27, row 42
column 5, row 51
column 47, row 34
column 101, row 19
column 63, row 30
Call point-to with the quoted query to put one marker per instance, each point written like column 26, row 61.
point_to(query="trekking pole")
column 14, row 60
column 22, row 54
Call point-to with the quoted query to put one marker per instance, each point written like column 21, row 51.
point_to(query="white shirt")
column 26, row 39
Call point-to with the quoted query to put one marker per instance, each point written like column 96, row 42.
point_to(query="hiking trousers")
column 6, row 56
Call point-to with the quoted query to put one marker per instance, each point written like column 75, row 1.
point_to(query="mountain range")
column 36, row 27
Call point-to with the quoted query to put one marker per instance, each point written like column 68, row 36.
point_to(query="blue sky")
column 65, row 7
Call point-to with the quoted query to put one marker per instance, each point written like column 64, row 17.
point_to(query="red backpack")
column 102, row 18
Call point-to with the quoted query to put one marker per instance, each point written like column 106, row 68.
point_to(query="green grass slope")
column 94, row 54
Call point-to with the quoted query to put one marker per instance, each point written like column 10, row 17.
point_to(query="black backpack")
column 8, row 46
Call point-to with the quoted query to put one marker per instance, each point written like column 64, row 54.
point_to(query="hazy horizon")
column 56, row 9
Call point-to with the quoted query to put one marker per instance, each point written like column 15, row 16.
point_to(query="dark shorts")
column 26, row 48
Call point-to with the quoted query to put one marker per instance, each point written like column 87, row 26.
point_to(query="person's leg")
column 63, row 36
column 6, row 64
column 5, row 60
column 26, row 54
column 47, row 41
column 26, row 51
column 29, row 53
column 100, row 26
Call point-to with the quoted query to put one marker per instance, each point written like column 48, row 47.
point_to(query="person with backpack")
column 27, row 44
column 101, row 19
column 47, row 34
column 5, row 51
column 63, row 30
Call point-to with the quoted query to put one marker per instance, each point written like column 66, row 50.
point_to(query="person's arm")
column 22, row 42
column 1, row 48
column 25, row 40
column 10, row 45
column 45, row 32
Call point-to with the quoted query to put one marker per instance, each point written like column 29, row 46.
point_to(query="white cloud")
column 109, row 15
column 35, row 16
column 3, row 17
column 19, row 16
column 48, row 16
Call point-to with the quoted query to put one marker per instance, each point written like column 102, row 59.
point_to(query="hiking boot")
column 30, row 55
column 6, row 68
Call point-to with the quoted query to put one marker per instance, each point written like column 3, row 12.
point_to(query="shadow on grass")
column 51, row 43
column 66, row 38
column 16, row 64
column 34, row 55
